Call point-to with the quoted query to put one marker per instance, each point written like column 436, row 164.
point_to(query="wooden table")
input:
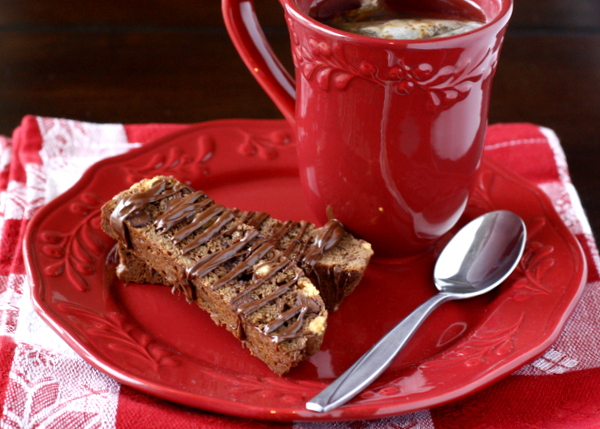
column 172, row 61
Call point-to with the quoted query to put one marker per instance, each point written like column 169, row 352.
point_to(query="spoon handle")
column 376, row 360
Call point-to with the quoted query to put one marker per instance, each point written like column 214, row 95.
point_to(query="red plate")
column 147, row 338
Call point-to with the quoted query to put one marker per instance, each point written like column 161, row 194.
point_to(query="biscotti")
column 334, row 272
column 249, row 271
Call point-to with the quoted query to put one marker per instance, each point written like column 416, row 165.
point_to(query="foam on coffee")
column 378, row 18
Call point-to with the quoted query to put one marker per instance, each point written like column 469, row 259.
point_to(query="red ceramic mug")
column 389, row 132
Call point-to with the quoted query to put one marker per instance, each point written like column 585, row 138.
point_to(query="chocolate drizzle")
column 303, row 307
column 192, row 219
column 244, row 297
column 182, row 210
column 253, row 258
column 216, row 213
column 328, row 237
column 209, row 263
column 134, row 205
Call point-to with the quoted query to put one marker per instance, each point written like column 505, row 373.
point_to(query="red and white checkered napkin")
column 43, row 383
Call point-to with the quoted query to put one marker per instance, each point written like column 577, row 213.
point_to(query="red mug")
column 389, row 133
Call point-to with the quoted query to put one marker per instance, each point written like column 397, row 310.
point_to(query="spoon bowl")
column 475, row 261
column 481, row 256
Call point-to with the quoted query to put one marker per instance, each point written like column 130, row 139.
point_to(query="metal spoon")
column 477, row 259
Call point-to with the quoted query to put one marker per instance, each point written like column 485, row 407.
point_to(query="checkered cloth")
column 43, row 383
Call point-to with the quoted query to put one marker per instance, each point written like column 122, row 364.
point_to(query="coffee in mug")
column 379, row 18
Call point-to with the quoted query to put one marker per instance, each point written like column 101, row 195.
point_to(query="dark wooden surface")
column 171, row 61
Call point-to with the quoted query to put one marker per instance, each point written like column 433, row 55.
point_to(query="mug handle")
column 256, row 52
